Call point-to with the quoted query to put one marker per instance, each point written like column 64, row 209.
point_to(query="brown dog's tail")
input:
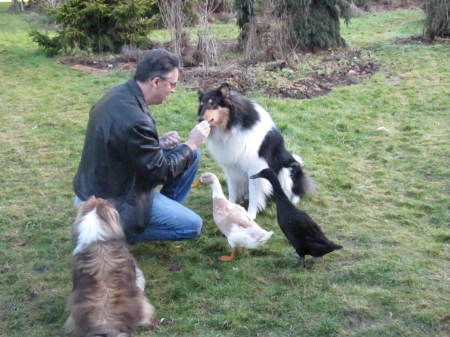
column 106, row 332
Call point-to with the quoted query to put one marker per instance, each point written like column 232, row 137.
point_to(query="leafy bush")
column 438, row 18
column 99, row 25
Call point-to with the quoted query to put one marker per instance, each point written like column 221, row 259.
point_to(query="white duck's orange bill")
column 198, row 182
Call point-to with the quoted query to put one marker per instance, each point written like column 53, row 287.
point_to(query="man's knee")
column 193, row 227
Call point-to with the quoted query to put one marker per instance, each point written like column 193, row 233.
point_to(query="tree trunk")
column 18, row 5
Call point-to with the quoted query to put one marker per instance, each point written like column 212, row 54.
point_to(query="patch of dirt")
column 88, row 69
column 418, row 39
column 310, row 76
column 358, row 320
column 303, row 76
column 392, row 5
column 98, row 65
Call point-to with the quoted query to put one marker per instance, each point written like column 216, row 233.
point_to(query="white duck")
column 233, row 220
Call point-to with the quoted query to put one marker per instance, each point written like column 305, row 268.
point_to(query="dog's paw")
column 232, row 198
column 251, row 215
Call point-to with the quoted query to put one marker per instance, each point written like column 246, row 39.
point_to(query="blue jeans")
column 170, row 220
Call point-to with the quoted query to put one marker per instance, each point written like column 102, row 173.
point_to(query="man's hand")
column 198, row 135
column 169, row 140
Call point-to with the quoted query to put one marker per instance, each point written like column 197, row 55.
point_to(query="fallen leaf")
column 175, row 267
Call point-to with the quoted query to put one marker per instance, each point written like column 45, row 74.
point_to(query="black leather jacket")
column 122, row 160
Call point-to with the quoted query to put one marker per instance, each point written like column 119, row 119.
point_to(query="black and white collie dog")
column 108, row 287
column 243, row 141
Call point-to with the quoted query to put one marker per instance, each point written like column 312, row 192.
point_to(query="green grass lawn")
column 383, row 195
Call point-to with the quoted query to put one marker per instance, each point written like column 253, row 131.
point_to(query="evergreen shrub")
column 99, row 25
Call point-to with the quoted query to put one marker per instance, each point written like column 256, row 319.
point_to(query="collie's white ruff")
column 236, row 151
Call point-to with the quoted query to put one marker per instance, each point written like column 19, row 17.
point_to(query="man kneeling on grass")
column 124, row 159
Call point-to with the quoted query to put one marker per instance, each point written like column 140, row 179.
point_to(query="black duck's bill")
column 257, row 175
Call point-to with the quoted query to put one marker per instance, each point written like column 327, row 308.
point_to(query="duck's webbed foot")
column 301, row 263
column 231, row 257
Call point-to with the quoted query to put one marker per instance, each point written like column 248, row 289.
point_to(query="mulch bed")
column 324, row 72
column 330, row 71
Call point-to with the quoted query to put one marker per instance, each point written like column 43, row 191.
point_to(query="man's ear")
column 200, row 95
column 155, row 81
column 224, row 90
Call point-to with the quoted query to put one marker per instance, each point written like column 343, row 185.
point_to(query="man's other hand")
column 169, row 140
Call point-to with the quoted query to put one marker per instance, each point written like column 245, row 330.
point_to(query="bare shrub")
column 52, row 3
column 219, row 6
column 188, row 51
column 130, row 53
column 206, row 48
column 174, row 20
column 44, row 3
column 18, row 5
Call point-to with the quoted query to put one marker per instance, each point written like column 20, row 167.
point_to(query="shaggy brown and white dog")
column 108, row 288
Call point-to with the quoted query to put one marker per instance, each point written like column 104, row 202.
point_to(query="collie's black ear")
column 200, row 95
column 224, row 90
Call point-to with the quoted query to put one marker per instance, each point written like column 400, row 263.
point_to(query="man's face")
column 162, row 88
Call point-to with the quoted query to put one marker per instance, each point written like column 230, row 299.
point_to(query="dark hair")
column 156, row 63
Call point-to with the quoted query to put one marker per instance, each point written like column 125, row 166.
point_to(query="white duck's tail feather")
column 248, row 238
column 265, row 237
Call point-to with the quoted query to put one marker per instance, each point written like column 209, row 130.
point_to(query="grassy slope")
column 383, row 195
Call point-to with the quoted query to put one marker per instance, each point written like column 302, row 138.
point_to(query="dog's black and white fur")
column 243, row 141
